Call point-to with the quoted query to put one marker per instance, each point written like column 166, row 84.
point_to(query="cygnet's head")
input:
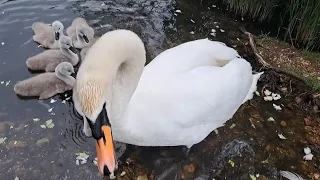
column 84, row 32
column 66, row 43
column 65, row 68
column 58, row 29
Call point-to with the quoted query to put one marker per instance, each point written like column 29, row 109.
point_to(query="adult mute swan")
column 177, row 99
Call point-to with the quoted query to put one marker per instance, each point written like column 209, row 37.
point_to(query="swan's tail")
column 253, row 87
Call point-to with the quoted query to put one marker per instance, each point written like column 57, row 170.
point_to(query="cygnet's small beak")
column 105, row 152
column 71, row 48
column 56, row 35
column 85, row 37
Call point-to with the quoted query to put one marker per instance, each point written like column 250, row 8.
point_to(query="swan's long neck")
column 124, row 84
column 65, row 78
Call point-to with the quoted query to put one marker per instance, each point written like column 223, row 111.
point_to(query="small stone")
column 308, row 128
column 262, row 178
column 144, row 177
column 189, row 168
column 283, row 123
column 316, row 176
column 284, row 90
column 307, row 121
column 15, row 144
column 42, row 141
column 267, row 148
column 298, row 100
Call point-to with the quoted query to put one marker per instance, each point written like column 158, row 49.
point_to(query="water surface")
column 249, row 140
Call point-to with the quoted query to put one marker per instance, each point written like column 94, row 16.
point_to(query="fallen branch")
column 263, row 62
column 254, row 49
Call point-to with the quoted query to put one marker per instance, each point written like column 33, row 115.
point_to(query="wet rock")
column 144, row 177
column 262, row 178
column 15, row 144
column 42, row 141
column 241, row 153
column 283, row 123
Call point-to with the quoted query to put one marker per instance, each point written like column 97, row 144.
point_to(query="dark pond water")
column 22, row 155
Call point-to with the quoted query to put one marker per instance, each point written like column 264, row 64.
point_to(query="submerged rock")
column 238, row 151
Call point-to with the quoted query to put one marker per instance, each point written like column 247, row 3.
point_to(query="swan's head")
column 84, row 32
column 65, row 68
column 88, row 101
column 66, row 43
column 58, row 29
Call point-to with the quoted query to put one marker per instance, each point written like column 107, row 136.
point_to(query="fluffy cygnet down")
column 49, row 59
column 48, row 36
column 47, row 84
column 80, row 32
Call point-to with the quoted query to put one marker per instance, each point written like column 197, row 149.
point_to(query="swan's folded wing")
column 206, row 95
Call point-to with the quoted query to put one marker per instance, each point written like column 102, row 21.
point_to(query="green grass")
column 312, row 82
column 300, row 18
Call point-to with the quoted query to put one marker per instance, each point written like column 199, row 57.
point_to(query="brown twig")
column 263, row 62
column 254, row 49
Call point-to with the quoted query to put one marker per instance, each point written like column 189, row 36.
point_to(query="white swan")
column 177, row 99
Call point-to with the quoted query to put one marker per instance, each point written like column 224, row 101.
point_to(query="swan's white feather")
column 182, row 95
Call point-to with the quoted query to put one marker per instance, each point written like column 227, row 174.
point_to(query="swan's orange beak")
column 105, row 152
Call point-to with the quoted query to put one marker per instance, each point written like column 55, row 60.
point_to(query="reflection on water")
column 31, row 152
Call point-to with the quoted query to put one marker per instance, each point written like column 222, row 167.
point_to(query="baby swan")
column 49, row 59
column 80, row 32
column 46, row 35
column 84, row 51
column 48, row 84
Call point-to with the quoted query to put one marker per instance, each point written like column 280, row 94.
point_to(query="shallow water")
column 160, row 27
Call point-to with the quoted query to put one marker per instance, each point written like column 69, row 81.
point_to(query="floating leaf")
column 53, row 101
column 123, row 173
column 36, row 119
column 281, row 136
column 252, row 177
column 267, row 92
column 2, row 140
column 308, row 157
column 50, row 110
column 276, row 107
column 231, row 163
column 307, row 150
column 270, row 119
column 49, row 123
column 43, row 126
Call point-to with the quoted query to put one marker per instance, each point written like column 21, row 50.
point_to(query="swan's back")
column 192, row 54
column 200, row 99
